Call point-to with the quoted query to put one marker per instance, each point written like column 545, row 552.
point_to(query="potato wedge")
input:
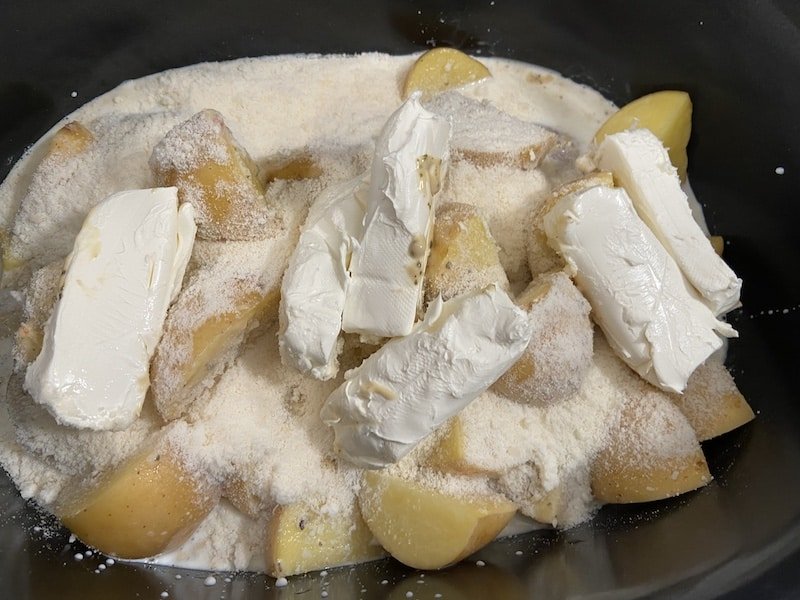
column 718, row 243
column 668, row 114
column 148, row 505
column 487, row 137
column 559, row 354
column 450, row 454
column 652, row 454
column 425, row 528
column 712, row 403
column 470, row 442
column 292, row 168
column 200, row 338
column 41, row 294
column 68, row 142
column 216, row 175
column 300, row 539
column 441, row 69
column 71, row 140
column 546, row 509
column 464, row 256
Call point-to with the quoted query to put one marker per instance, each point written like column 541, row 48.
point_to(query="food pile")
column 424, row 316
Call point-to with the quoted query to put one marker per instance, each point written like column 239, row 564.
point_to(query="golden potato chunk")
column 486, row 136
column 245, row 498
column 555, row 362
column 72, row 139
column 148, row 505
column 450, row 453
column 300, row 539
column 718, row 243
column 546, row 509
column 712, row 403
column 203, row 330
column 292, row 168
column 489, row 437
column 425, row 528
column 668, row 114
column 541, row 257
column 68, row 142
column 41, row 294
column 523, row 485
column 652, row 454
column 216, row 175
column 464, row 255
column 441, row 69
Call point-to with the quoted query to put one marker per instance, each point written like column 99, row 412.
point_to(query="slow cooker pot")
column 739, row 60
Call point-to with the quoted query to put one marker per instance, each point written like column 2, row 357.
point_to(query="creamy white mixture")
column 262, row 422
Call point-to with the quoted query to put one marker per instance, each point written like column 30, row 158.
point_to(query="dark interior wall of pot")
column 740, row 62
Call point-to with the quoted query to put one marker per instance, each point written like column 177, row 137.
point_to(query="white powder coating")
column 485, row 135
column 560, row 351
column 260, row 424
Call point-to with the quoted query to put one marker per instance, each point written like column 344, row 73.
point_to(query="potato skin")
column 668, row 114
column 441, row 69
column 150, row 504
column 426, row 528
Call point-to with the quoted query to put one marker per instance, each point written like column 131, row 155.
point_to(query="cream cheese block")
column 641, row 165
column 414, row 383
column 126, row 266
column 315, row 282
column 387, row 266
column 650, row 314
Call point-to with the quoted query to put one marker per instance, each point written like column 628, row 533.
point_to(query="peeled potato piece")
column 425, row 528
column 464, row 256
column 40, row 297
column 560, row 351
column 69, row 141
column 216, row 175
column 148, row 505
column 712, row 403
column 441, row 69
column 486, row 136
column 201, row 336
column 450, row 455
column 541, row 257
column 292, row 168
column 652, row 454
column 245, row 498
column 718, row 243
column 522, row 484
column 491, row 436
column 668, row 114
column 300, row 539
column 545, row 510
column 72, row 139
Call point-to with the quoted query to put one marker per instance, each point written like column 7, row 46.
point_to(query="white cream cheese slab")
column 641, row 164
column 651, row 316
column 315, row 282
column 414, row 383
column 126, row 266
column 388, row 264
